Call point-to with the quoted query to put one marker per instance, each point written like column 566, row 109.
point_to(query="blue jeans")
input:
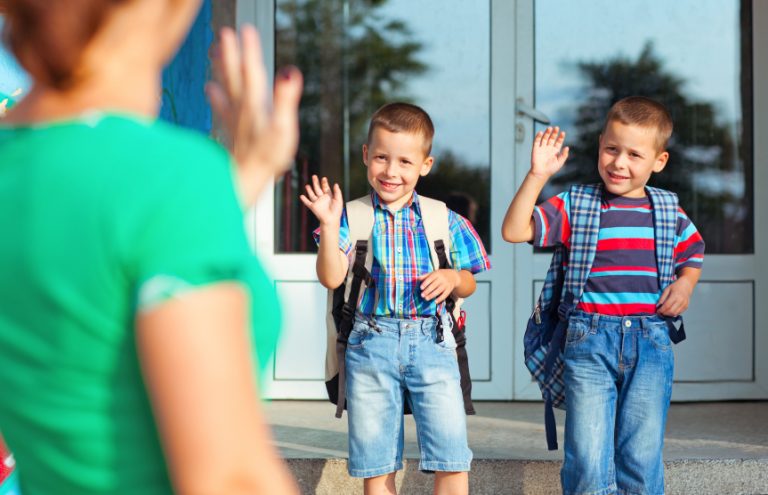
column 389, row 359
column 618, row 383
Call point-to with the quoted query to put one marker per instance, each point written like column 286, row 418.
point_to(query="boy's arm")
column 442, row 283
column 547, row 157
column 676, row 297
column 327, row 205
column 332, row 264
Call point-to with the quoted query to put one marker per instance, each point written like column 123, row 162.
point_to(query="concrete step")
column 711, row 448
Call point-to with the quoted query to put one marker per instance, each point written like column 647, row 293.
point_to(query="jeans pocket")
column 358, row 336
column 659, row 337
column 577, row 332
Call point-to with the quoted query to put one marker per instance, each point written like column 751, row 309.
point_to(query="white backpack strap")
column 360, row 216
column 434, row 218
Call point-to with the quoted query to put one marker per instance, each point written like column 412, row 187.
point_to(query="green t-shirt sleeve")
column 184, row 224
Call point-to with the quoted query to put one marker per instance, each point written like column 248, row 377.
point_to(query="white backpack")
column 344, row 300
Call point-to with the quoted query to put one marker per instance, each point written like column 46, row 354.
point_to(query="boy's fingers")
column 553, row 139
column 310, row 193
column 316, row 186
column 337, row 193
column 306, row 201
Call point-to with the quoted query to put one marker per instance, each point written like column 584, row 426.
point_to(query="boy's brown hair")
column 403, row 117
column 643, row 112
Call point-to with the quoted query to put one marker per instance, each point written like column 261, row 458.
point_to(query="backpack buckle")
column 462, row 321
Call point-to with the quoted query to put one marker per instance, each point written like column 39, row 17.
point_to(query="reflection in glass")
column 695, row 56
column 358, row 55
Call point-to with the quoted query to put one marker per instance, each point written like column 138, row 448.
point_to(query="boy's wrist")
column 543, row 178
column 330, row 226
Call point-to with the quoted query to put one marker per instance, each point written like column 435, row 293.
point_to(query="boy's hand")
column 675, row 298
column 439, row 284
column 548, row 155
column 326, row 205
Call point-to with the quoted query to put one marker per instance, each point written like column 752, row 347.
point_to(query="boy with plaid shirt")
column 393, row 352
column 618, row 362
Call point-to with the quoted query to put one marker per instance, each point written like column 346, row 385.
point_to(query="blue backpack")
column 544, row 340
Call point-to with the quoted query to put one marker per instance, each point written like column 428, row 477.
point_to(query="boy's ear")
column 365, row 154
column 427, row 165
column 661, row 162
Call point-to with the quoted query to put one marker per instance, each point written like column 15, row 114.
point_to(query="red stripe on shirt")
column 618, row 309
column 612, row 268
column 683, row 246
column 614, row 244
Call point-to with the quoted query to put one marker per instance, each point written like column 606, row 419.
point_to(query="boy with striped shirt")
column 618, row 357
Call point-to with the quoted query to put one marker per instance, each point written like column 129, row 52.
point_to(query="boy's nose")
column 621, row 161
column 390, row 170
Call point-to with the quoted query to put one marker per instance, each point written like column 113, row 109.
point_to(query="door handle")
column 525, row 109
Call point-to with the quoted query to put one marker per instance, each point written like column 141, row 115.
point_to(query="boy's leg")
column 433, row 382
column 591, row 356
column 452, row 483
column 374, row 400
column 642, row 408
column 380, row 485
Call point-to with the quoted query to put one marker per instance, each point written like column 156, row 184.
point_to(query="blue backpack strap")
column 665, row 205
column 584, row 220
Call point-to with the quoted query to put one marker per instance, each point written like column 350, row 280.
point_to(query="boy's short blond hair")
column 643, row 112
column 403, row 117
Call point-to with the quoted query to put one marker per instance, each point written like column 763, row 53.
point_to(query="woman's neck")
column 138, row 93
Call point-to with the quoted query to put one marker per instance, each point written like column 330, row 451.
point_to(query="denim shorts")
column 391, row 360
column 618, row 383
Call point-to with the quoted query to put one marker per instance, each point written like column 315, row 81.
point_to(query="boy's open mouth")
column 388, row 186
column 617, row 177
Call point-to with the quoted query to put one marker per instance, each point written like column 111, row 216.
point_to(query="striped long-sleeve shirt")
column 401, row 255
column 624, row 278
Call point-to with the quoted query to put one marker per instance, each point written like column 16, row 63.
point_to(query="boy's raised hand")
column 548, row 155
column 326, row 203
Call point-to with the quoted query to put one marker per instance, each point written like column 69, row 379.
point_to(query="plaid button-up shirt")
column 401, row 254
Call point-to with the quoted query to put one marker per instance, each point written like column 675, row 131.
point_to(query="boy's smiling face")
column 395, row 161
column 628, row 156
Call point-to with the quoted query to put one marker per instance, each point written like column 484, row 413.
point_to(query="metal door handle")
column 525, row 109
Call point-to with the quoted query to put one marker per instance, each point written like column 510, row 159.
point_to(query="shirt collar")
column 412, row 203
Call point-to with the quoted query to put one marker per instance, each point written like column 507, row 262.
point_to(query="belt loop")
column 595, row 320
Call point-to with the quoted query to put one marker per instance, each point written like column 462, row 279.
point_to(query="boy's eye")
column 406, row 162
column 381, row 157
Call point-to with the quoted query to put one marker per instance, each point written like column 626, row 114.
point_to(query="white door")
column 573, row 58
column 438, row 54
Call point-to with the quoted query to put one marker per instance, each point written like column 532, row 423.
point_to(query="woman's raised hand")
column 262, row 142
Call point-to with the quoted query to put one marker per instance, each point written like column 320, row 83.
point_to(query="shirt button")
column 400, row 278
column 627, row 323
column 399, row 250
